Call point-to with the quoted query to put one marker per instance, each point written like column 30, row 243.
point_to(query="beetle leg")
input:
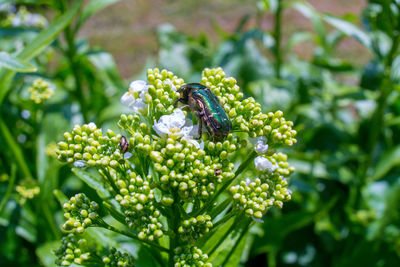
column 176, row 102
column 199, row 117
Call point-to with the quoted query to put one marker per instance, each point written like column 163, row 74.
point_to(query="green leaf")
column 92, row 8
column 62, row 199
column 234, row 243
column 309, row 12
column 106, row 69
column 92, row 181
column 46, row 254
column 42, row 40
column 12, row 63
column 208, row 241
column 389, row 160
column 275, row 233
column 349, row 29
column 237, row 253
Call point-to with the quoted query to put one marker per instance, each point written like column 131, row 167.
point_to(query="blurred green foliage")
column 345, row 209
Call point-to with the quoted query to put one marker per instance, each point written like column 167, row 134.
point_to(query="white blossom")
column 260, row 144
column 135, row 97
column 92, row 126
column 263, row 164
column 80, row 164
column 174, row 125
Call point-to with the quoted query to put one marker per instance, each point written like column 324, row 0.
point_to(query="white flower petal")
column 261, row 148
column 127, row 99
column 160, row 128
column 186, row 130
column 92, row 126
column 127, row 155
column 192, row 141
column 138, row 86
column 80, row 164
column 257, row 220
column 263, row 164
column 260, row 144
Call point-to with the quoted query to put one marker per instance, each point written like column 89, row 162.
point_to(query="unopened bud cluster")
column 191, row 171
column 87, row 146
column 190, row 256
column 256, row 196
column 163, row 86
column 40, row 91
column 21, row 17
column 116, row 258
column 80, row 213
column 193, row 228
column 246, row 114
column 137, row 201
column 76, row 250
column 72, row 250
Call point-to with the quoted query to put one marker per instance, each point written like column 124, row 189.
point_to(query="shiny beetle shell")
column 207, row 107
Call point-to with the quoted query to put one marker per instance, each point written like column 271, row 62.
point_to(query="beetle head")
column 186, row 89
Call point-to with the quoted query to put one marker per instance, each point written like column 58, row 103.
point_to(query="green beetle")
column 206, row 106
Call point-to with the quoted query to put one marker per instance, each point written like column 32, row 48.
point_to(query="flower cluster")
column 72, row 250
column 28, row 189
column 40, row 91
column 116, row 258
column 246, row 114
column 194, row 228
column 270, row 189
column 80, row 213
column 137, row 201
column 182, row 166
column 21, row 17
column 86, row 146
column 163, row 86
column 78, row 251
column 190, row 256
column 164, row 179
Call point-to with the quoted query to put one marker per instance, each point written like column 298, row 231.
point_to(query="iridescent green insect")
column 206, row 106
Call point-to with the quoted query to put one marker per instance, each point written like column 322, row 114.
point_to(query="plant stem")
column 114, row 213
column 122, row 232
column 173, row 224
column 227, row 233
column 237, row 242
column 277, row 36
column 226, row 218
column 272, row 258
column 239, row 170
column 9, row 188
column 15, row 149
column 377, row 118
column 110, row 180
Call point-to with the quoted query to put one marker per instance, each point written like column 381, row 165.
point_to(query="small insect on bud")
column 217, row 172
column 124, row 144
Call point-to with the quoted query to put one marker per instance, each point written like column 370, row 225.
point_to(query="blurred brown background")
column 127, row 29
